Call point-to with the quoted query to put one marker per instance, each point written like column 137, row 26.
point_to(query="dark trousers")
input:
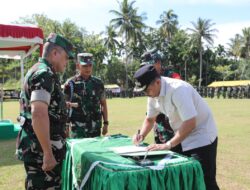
column 206, row 155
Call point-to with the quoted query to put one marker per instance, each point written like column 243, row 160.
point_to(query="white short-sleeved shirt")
column 180, row 101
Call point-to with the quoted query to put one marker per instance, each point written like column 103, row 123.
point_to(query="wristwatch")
column 105, row 122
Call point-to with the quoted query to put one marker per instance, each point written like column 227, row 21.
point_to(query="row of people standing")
column 41, row 142
column 236, row 92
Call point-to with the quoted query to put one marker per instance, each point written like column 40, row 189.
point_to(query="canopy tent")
column 229, row 83
column 111, row 86
column 18, row 42
column 114, row 88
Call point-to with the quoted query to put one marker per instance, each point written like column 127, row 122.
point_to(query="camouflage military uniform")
column 42, row 76
column 86, row 119
column 162, row 130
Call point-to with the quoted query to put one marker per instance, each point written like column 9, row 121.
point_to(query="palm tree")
column 246, row 42
column 168, row 21
column 235, row 46
column 110, row 41
column 202, row 31
column 129, row 25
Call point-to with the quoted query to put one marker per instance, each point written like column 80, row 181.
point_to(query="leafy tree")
column 94, row 44
column 115, row 72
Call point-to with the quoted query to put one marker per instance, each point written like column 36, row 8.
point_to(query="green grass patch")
column 126, row 116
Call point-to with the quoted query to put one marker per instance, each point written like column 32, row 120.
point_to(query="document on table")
column 133, row 150
column 129, row 149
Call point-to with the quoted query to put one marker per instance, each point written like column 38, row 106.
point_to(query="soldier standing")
column 41, row 141
column 223, row 91
column 88, row 94
column 229, row 92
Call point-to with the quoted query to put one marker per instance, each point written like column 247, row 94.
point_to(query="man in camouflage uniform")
column 88, row 94
column 162, row 130
column 41, row 141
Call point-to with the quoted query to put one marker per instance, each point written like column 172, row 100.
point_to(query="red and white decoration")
column 19, row 41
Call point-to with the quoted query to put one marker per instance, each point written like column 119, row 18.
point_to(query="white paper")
column 129, row 149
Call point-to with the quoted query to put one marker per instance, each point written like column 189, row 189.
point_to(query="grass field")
column 125, row 115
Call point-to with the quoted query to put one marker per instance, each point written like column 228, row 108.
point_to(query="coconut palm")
column 235, row 46
column 202, row 31
column 246, row 42
column 110, row 41
column 168, row 21
column 129, row 25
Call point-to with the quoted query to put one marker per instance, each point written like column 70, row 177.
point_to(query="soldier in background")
column 87, row 94
column 248, row 91
column 223, row 92
column 204, row 91
column 218, row 92
column 212, row 92
column 200, row 91
column 209, row 92
column 240, row 92
column 215, row 91
column 41, row 141
column 229, row 92
column 234, row 92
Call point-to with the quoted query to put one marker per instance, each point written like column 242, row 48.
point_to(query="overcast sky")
column 229, row 16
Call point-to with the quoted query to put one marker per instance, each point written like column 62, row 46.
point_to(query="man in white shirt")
column 189, row 116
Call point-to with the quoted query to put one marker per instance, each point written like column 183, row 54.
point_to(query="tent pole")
column 1, row 102
column 22, row 70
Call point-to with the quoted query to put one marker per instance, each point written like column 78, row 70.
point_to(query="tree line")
column 118, row 48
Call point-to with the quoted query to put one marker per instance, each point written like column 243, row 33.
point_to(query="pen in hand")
column 138, row 133
column 138, row 137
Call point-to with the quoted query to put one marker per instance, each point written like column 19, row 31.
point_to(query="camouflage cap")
column 85, row 58
column 62, row 42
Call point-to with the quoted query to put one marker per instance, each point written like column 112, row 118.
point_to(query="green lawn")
column 126, row 115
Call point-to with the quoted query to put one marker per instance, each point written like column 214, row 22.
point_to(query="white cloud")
column 229, row 30
column 85, row 13
column 94, row 14
column 210, row 2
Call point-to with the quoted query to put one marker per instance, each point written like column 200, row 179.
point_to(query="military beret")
column 85, row 58
column 62, row 42
column 144, row 76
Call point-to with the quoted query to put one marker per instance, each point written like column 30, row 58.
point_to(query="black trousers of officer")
column 206, row 155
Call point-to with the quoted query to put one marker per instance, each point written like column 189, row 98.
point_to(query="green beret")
column 62, row 42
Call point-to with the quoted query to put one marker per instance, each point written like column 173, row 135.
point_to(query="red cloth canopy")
column 19, row 41
column 17, row 31
column 16, row 41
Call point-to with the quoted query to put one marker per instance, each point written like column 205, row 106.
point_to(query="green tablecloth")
column 91, row 165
